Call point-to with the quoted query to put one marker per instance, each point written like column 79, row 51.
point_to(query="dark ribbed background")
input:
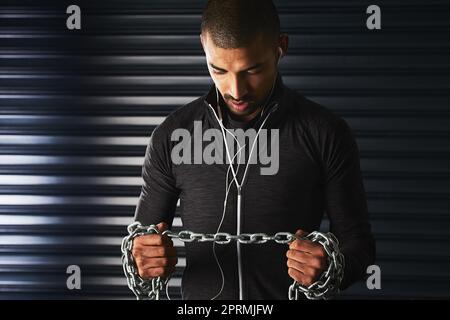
column 77, row 109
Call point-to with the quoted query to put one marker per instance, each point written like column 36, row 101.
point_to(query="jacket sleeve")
column 345, row 201
column 159, row 194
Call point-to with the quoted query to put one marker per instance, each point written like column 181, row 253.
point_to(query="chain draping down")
column 324, row 288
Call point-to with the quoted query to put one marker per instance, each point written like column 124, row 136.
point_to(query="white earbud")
column 281, row 54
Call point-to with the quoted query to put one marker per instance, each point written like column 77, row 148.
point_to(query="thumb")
column 162, row 226
column 298, row 234
column 301, row 233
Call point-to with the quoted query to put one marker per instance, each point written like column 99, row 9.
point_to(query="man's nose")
column 238, row 88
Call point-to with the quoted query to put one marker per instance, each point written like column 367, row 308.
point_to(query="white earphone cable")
column 230, row 166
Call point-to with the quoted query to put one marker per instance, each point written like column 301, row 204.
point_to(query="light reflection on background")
column 76, row 114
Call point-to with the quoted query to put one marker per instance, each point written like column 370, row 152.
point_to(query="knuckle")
column 289, row 263
column 317, row 264
column 137, row 240
column 160, row 271
column 291, row 272
column 150, row 273
column 152, row 239
column 158, row 251
column 156, row 272
column 312, row 273
column 307, row 272
column 292, row 263
column 291, row 254
column 138, row 261
column 140, row 240
column 142, row 273
column 136, row 245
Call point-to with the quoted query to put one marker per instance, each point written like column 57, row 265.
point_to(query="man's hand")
column 306, row 260
column 155, row 254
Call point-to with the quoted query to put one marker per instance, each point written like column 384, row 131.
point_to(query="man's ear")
column 284, row 42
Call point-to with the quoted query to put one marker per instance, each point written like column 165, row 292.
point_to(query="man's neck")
column 245, row 118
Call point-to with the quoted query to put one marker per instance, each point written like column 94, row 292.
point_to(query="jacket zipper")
column 239, row 256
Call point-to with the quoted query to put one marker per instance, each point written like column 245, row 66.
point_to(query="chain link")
column 324, row 288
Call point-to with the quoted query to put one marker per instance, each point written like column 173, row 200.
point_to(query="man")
column 318, row 171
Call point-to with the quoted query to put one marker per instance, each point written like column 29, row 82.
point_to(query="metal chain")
column 328, row 284
column 324, row 288
column 225, row 238
column 148, row 289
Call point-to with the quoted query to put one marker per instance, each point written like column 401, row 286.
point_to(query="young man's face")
column 244, row 76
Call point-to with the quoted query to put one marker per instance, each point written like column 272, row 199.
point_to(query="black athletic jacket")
column 319, row 172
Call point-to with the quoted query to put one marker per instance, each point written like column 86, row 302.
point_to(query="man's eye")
column 254, row 71
column 218, row 71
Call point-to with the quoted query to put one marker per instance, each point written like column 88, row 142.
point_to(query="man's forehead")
column 241, row 58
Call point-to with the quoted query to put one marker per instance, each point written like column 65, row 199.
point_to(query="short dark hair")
column 236, row 23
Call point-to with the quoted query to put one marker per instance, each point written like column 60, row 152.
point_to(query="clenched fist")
column 306, row 260
column 155, row 254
